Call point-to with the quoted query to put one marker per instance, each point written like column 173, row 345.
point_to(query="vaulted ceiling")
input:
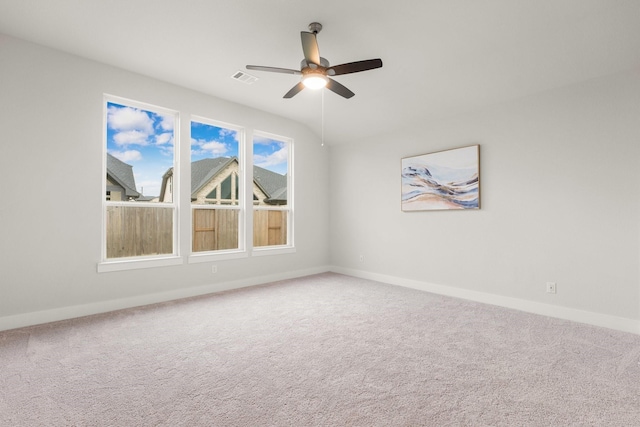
column 441, row 58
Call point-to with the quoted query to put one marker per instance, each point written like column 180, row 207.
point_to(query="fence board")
column 227, row 229
column 142, row 231
column 214, row 229
column 139, row 231
column 269, row 228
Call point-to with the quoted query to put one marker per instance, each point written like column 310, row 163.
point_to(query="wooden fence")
column 217, row 229
column 139, row 231
column 269, row 228
column 143, row 231
column 214, row 229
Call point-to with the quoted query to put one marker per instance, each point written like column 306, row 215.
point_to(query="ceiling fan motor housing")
column 305, row 64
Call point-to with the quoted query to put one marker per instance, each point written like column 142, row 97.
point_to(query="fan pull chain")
column 322, row 123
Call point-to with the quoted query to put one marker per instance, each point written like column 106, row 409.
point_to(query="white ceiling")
column 441, row 57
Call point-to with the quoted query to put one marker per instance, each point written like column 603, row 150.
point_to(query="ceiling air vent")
column 244, row 77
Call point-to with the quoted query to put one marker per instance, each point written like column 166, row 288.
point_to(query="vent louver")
column 244, row 77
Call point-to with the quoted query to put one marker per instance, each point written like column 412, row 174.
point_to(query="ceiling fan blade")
column 354, row 67
column 273, row 69
column 294, row 91
column 310, row 47
column 338, row 88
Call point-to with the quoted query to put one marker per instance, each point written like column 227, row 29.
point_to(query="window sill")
column 273, row 250
column 210, row 257
column 134, row 264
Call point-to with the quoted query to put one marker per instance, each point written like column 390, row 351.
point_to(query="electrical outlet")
column 214, row 269
column 551, row 287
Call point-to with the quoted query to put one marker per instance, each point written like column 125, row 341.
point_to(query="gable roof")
column 271, row 183
column 122, row 173
column 202, row 171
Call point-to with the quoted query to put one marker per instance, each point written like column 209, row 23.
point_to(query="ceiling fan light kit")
column 316, row 70
column 314, row 81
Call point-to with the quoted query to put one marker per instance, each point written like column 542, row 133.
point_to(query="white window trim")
column 273, row 250
column 290, row 246
column 139, row 262
column 246, row 207
column 196, row 258
column 131, row 263
column 241, row 251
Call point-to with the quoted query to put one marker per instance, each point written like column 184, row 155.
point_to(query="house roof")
column 272, row 184
column 202, row 171
column 122, row 173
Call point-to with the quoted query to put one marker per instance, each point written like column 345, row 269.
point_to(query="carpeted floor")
column 325, row 350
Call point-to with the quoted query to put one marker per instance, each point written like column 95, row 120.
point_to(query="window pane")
column 215, row 229
column 269, row 227
column 139, row 153
column 139, row 231
column 215, row 183
column 270, row 168
column 139, row 165
column 270, row 191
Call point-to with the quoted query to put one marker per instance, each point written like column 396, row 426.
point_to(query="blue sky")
column 145, row 140
column 209, row 141
column 270, row 154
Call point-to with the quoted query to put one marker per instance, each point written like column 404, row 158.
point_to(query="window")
column 139, row 198
column 216, row 187
column 272, row 191
column 141, row 182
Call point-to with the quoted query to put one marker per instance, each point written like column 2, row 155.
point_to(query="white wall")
column 560, row 202
column 559, row 199
column 51, row 118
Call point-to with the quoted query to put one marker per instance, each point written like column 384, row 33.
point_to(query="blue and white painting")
column 444, row 180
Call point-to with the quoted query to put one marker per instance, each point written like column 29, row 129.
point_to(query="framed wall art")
column 443, row 180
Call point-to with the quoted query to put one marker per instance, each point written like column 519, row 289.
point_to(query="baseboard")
column 71, row 312
column 581, row 316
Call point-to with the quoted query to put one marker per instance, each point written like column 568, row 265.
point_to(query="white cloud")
column 204, row 147
column 167, row 122
column 266, row 141
column 166, row 150
column 131, row 137
column 277, row 158
column 226, row 132
column 127, row 155
column 164, row 138
column 129, row 119
column 132, row 126
column 215, row 147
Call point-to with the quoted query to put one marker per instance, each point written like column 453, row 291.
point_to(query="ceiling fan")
column 316, row 71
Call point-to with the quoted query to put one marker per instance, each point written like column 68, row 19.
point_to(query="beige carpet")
column 326, row 350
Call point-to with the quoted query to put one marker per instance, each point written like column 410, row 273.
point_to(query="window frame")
column 223, row 254
column 179, row 203
column 289, row 247
column 144, row 261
